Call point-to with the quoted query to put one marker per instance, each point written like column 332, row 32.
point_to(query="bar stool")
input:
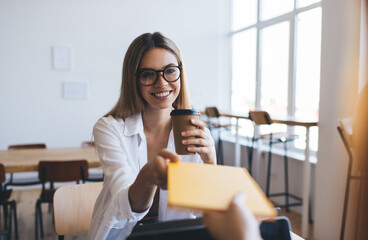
column 263, row 118
column 213, row 122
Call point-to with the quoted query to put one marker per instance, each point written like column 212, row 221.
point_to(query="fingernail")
column 193, row 120
column 184, row 141
column 189, row 148
column 183, row 133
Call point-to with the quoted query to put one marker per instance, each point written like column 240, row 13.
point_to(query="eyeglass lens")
column 170, row 74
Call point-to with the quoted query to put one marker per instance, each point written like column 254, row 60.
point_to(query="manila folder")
column 209, row 187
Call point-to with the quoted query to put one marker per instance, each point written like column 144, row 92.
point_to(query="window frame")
column 292, row 18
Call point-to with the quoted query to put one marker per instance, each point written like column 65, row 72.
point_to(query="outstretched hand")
column 236, row 223
column 158, row 166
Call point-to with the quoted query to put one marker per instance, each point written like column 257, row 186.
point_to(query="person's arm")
column 203, row 141
column 152, row 175
column 236, row 223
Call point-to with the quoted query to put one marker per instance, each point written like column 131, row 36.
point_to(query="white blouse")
column 122, row 148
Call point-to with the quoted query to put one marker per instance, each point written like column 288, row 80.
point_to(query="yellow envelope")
column 208, row 187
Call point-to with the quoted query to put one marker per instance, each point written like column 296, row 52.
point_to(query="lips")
column 161, row 94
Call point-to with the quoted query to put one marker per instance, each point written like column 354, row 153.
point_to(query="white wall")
column 339, row 81
column 31, row 105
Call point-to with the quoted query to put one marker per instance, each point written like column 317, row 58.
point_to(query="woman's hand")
column 202, row 142
column 236, row 223
column 152, row 175
column 158, row 167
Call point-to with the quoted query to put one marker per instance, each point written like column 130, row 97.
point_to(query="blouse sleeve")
column 119, row 173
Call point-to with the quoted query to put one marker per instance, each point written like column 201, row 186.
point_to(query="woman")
column 135, row 139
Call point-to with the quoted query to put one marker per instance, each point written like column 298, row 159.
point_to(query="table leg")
column 237, row 145
column 306, row 186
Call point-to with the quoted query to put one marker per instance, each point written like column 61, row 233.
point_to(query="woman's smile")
column 162, row 94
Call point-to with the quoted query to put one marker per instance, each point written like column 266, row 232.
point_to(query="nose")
column 161, row 82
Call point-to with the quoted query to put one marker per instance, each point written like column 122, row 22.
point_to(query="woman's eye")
column 148, row 74
column 170, row 71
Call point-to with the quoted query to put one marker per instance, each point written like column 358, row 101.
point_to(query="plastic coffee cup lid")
column 177, row 112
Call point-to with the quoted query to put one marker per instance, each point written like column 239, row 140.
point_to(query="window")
column 276, row 60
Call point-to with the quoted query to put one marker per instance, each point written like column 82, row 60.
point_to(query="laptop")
column 193, row 229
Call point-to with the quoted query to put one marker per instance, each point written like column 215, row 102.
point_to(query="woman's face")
column 162, row 94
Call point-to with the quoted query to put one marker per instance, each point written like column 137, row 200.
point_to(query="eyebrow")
column 168, row 65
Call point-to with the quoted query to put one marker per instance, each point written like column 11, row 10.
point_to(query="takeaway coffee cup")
column 181, row 122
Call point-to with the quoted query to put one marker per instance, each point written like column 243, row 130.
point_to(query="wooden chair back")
column 2, row 173
column 27, row 146
column 62, row 171
column 260, row 117
column 88, row 144
column 212, row 112
column 73, row 207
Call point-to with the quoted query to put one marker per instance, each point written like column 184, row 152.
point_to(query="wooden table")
column 291, row 121
column 27, row 160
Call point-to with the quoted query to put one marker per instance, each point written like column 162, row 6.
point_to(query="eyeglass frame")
column 140, row 71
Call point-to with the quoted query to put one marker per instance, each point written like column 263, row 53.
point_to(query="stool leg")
column 5, row 208
column 220, row 155
column 41, row 222
column 286, row 178
column 36, row 220
column 269, row 168
column 250, row 156
column 10, row 220
column 15, row 220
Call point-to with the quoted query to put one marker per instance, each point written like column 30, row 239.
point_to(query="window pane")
column 304, row 3
column 244, row 13
column 274, row 8
column 308, row 52
column 274, row 70
column 243, row 71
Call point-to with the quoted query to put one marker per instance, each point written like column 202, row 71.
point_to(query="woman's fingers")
column 196, row 141
column 194, row 133
column 159, row 164
column 166, row 154
column 198, row 123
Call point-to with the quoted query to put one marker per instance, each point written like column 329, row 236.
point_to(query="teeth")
column 162, row 94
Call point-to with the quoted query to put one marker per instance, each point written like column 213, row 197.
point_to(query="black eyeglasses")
column 149, row 77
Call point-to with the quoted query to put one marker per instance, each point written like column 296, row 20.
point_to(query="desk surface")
column 27, row 160
column 292, row 121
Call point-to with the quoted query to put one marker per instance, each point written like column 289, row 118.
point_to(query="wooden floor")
column 26, row 200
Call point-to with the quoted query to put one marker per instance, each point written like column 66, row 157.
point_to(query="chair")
column 263, row 118
column 93, row 176
column 9, row 207
column 88, row 144
column 345, row 130
column 213, row 122
column 73, row 207
column 52, row 172
column 29, row 181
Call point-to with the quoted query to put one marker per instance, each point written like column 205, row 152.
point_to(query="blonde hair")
column 130, row 101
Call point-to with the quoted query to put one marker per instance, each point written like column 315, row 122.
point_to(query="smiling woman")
column 135, row 140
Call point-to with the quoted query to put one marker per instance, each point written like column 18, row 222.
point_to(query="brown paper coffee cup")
column 181, row 122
